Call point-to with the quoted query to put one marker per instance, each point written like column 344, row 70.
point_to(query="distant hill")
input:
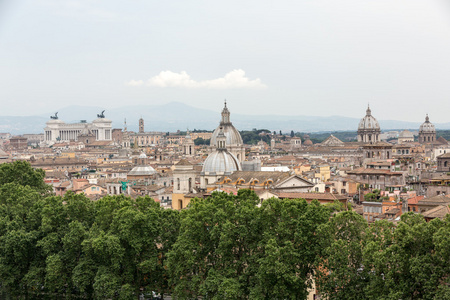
column 179, row 116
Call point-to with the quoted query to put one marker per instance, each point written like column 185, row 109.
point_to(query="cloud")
column 235, row 79
column 135, row 82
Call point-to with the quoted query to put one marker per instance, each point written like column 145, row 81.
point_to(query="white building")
column 59, row 131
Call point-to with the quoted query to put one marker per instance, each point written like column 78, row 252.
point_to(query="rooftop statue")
column 124, row 185
column 102, row 115
column 55, row 117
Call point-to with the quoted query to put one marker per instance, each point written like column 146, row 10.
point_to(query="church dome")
column 308, row 142
column 220, row 162
column 368, row 122
column 233, row 137
column 427, row 126
column 142, row 155
column 142, row 171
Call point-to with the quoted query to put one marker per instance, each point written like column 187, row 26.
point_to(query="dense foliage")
column 222, row 247
column 444, row 133
column 254, row 136
column 200, row 141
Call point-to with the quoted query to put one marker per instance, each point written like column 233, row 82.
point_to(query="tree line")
column 222, row 247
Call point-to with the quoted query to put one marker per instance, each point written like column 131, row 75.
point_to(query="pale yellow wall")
column 176, row 201
column 324, row 173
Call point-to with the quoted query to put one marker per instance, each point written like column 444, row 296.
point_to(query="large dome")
column 220, row 162
column 368, row 122
column 233, row 137
column 427, row 126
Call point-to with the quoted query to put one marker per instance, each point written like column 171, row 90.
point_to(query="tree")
column 292, row 133
column 373, row 197
column 214, row 254
column 127, row 244
column 411, row 262
column 340, row 272
column 22, row 173
column 19, row 231
column 229, row 248
column 201, row 141
column 289, row 247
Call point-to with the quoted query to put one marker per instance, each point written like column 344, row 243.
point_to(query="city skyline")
column 318, row 58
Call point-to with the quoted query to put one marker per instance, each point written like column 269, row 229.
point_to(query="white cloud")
column 231, row 80
column 135, row 82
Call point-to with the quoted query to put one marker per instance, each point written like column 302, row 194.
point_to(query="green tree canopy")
column 22, row 173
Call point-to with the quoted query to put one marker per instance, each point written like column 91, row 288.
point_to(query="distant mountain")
column 174, row 116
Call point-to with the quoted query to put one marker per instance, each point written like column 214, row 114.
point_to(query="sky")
column 299, row 57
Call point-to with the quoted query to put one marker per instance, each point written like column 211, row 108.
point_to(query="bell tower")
column 141, row 125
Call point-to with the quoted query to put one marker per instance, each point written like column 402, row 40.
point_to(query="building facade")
column 59, row 131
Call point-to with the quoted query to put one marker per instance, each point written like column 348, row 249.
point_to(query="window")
column 316, row 189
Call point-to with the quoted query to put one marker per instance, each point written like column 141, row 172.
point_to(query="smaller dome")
column 368, row 122
column 142, row 171
column 142, row 155
column 427, row 126
column 308, row 142
column 220, row 162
